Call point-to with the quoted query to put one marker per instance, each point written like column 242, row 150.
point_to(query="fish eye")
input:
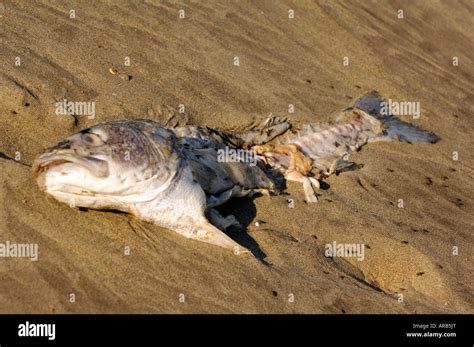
column 91, row 139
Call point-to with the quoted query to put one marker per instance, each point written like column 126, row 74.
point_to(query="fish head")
column 110, row 165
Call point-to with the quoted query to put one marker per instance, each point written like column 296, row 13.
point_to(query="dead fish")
column 173, row 177
column 170, row 177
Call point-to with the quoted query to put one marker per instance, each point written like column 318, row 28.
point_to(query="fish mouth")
column 46, row 161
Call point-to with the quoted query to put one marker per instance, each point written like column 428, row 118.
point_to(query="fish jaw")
column 62, row 170
column 97, row 167
column 73, row 184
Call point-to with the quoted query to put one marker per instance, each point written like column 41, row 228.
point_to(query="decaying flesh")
column 173, row 176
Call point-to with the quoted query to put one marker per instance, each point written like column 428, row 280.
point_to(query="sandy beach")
column 225, row 65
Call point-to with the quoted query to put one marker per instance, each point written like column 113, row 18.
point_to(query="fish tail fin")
column 398, row 130
column 394, row 128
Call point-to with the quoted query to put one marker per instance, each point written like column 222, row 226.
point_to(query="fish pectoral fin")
column 210, row 234
column 310, row 184
column 222, row 222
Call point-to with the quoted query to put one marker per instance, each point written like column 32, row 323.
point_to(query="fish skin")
column 172, row 177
